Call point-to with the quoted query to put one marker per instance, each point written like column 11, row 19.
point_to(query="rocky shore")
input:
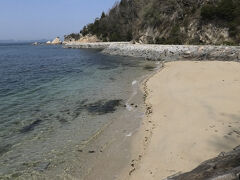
column 54, row 42
column 96, row 45
column 224, row 167
column 165, row 52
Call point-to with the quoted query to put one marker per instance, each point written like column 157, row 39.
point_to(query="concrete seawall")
column 165, row 52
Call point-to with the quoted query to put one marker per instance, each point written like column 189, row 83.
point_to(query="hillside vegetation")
column 168, row 22
column 225, row 10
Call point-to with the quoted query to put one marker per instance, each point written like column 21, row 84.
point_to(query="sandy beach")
column 193, row 116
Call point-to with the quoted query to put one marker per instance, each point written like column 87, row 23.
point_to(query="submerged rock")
column 4, row 148
column 101, row 107
column 42, row 166
column 97, row 108
column 31, row 126
column 149, row 68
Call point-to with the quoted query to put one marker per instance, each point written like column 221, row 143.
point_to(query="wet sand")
column 193, row 115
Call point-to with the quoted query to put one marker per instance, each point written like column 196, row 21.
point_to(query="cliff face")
column 56, row 41
column 170, row 22
column 80, row 38
column 180, row 22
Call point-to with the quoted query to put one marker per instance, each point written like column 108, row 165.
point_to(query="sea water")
column 54, row 99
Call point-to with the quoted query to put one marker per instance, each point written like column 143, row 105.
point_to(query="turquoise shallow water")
column 52, row 99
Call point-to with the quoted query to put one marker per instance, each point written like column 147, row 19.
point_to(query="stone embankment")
column 96, row 45
column 165, row 52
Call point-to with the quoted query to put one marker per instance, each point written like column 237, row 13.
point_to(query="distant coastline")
column 11, row 41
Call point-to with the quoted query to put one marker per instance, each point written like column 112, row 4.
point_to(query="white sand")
column 196, row 115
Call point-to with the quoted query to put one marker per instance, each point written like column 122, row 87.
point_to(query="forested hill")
column 168, row 22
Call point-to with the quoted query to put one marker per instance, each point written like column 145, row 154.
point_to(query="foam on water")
column 129, row 107
column 134, row 82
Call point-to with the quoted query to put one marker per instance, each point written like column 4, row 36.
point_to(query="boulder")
column 224, row 167
column 79, row 38
column 48, row 42
column 89, row 39
column 56, row 41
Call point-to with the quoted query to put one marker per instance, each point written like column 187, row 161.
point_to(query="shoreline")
column 164, row 52
column 143, row 165
column 144, row 132
column 150, row 165
column 124, row 164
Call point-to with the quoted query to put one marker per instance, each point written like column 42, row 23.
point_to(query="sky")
column 47, row 19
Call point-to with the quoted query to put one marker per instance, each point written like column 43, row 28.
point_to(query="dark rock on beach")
column 224, row 167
